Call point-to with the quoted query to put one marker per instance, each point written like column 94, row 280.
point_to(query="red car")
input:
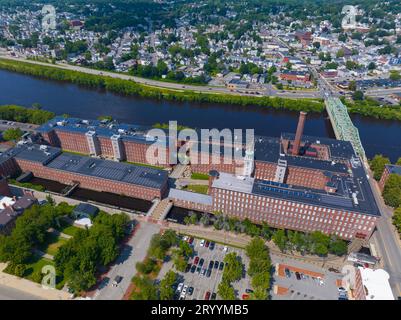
column 196, row 260
column 245, row 296
column 207, row 295
column 207, row 244
column 191, row 240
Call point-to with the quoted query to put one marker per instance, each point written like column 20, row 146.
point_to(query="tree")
column 397, row 219
column 146, row 290
column 392, row 191
column 377, row 165
column 395, row 75
column 352, row 85
column 226, row 290
column 280, row 239
column 338, row 246
column 358, row 95
column 166, row 285
column 12, row 134
column 233, row 269
column 372, row 66
column 340, row 53
column 398, row 163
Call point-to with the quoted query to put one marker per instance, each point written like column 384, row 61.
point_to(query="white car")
column 185, row 238
column 225, row 249
column 202, row 243
column 184, row 291
column 179, row 288
column 321, row 282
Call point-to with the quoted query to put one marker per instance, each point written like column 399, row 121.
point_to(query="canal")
column 107, row 198
column 378, row 136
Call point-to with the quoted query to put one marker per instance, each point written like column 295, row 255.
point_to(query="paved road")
column 134, row 251
column 4, row 125
column 387, row 243
column 7, row 293
column 382, row 92
column 176, row 86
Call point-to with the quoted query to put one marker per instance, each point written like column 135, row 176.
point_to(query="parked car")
column 342, row 289
column 188, row 267
column 213, row 296
column 334, row 270
column 216, row 264
column 193, row 268
column 183, row 292
column 180, row 286
column 207, row 244
column 211, row 246
column 117, row 280
column 198, row 269
column 190, row 291
column 287, row 273
column 201, row 261
column 191, row 240
column 202, row 242
column 207, row 295
column 196, row 260
column 225, row 249
column 297, row 275
column 221, row 266
column 245, row 296
column 211, row 263
column 208, row 273
column 248, row 290
column 203, row 272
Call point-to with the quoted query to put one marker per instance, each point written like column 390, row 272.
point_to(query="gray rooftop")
column 394, row 169
column 105, row 169
column 190, row 196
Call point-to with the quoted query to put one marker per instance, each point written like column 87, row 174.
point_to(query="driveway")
column 134, row 251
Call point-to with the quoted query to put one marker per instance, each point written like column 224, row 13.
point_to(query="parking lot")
column 200, row 278
column 298, row 281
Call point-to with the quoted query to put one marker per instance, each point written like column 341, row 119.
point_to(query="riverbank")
column 131, row 88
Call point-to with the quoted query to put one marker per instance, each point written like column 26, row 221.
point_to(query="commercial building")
column 290, row 75
column 297, row 182
column 91, row 173
column 388, row 170
column 104, row 139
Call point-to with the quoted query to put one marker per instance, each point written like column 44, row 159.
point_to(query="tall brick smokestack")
column 298, row 135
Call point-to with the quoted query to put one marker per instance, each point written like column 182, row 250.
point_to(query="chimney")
column 298, row 135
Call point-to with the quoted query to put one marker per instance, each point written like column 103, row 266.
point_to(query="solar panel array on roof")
column 338, row 201
column 140, row 175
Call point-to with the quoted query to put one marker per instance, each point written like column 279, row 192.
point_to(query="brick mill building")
column 388, row 170
column 105, row 139
column 297, row 182
column 294, row 182
column 87, row 172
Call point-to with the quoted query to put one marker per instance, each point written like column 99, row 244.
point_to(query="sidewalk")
column 242, row 240
column 30, row 287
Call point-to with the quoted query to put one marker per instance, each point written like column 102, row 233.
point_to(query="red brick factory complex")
column 294, row 182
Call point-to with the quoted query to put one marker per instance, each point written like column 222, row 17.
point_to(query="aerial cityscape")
column 200, row 150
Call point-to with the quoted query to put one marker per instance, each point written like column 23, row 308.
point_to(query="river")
column 378, row 136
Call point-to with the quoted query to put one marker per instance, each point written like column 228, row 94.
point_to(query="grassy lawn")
column 52, row 243
column 199, row 176
column 36, row 267
column 197, row 188
column 70, row 230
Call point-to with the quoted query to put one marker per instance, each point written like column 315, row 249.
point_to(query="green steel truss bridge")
column 342, row 125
